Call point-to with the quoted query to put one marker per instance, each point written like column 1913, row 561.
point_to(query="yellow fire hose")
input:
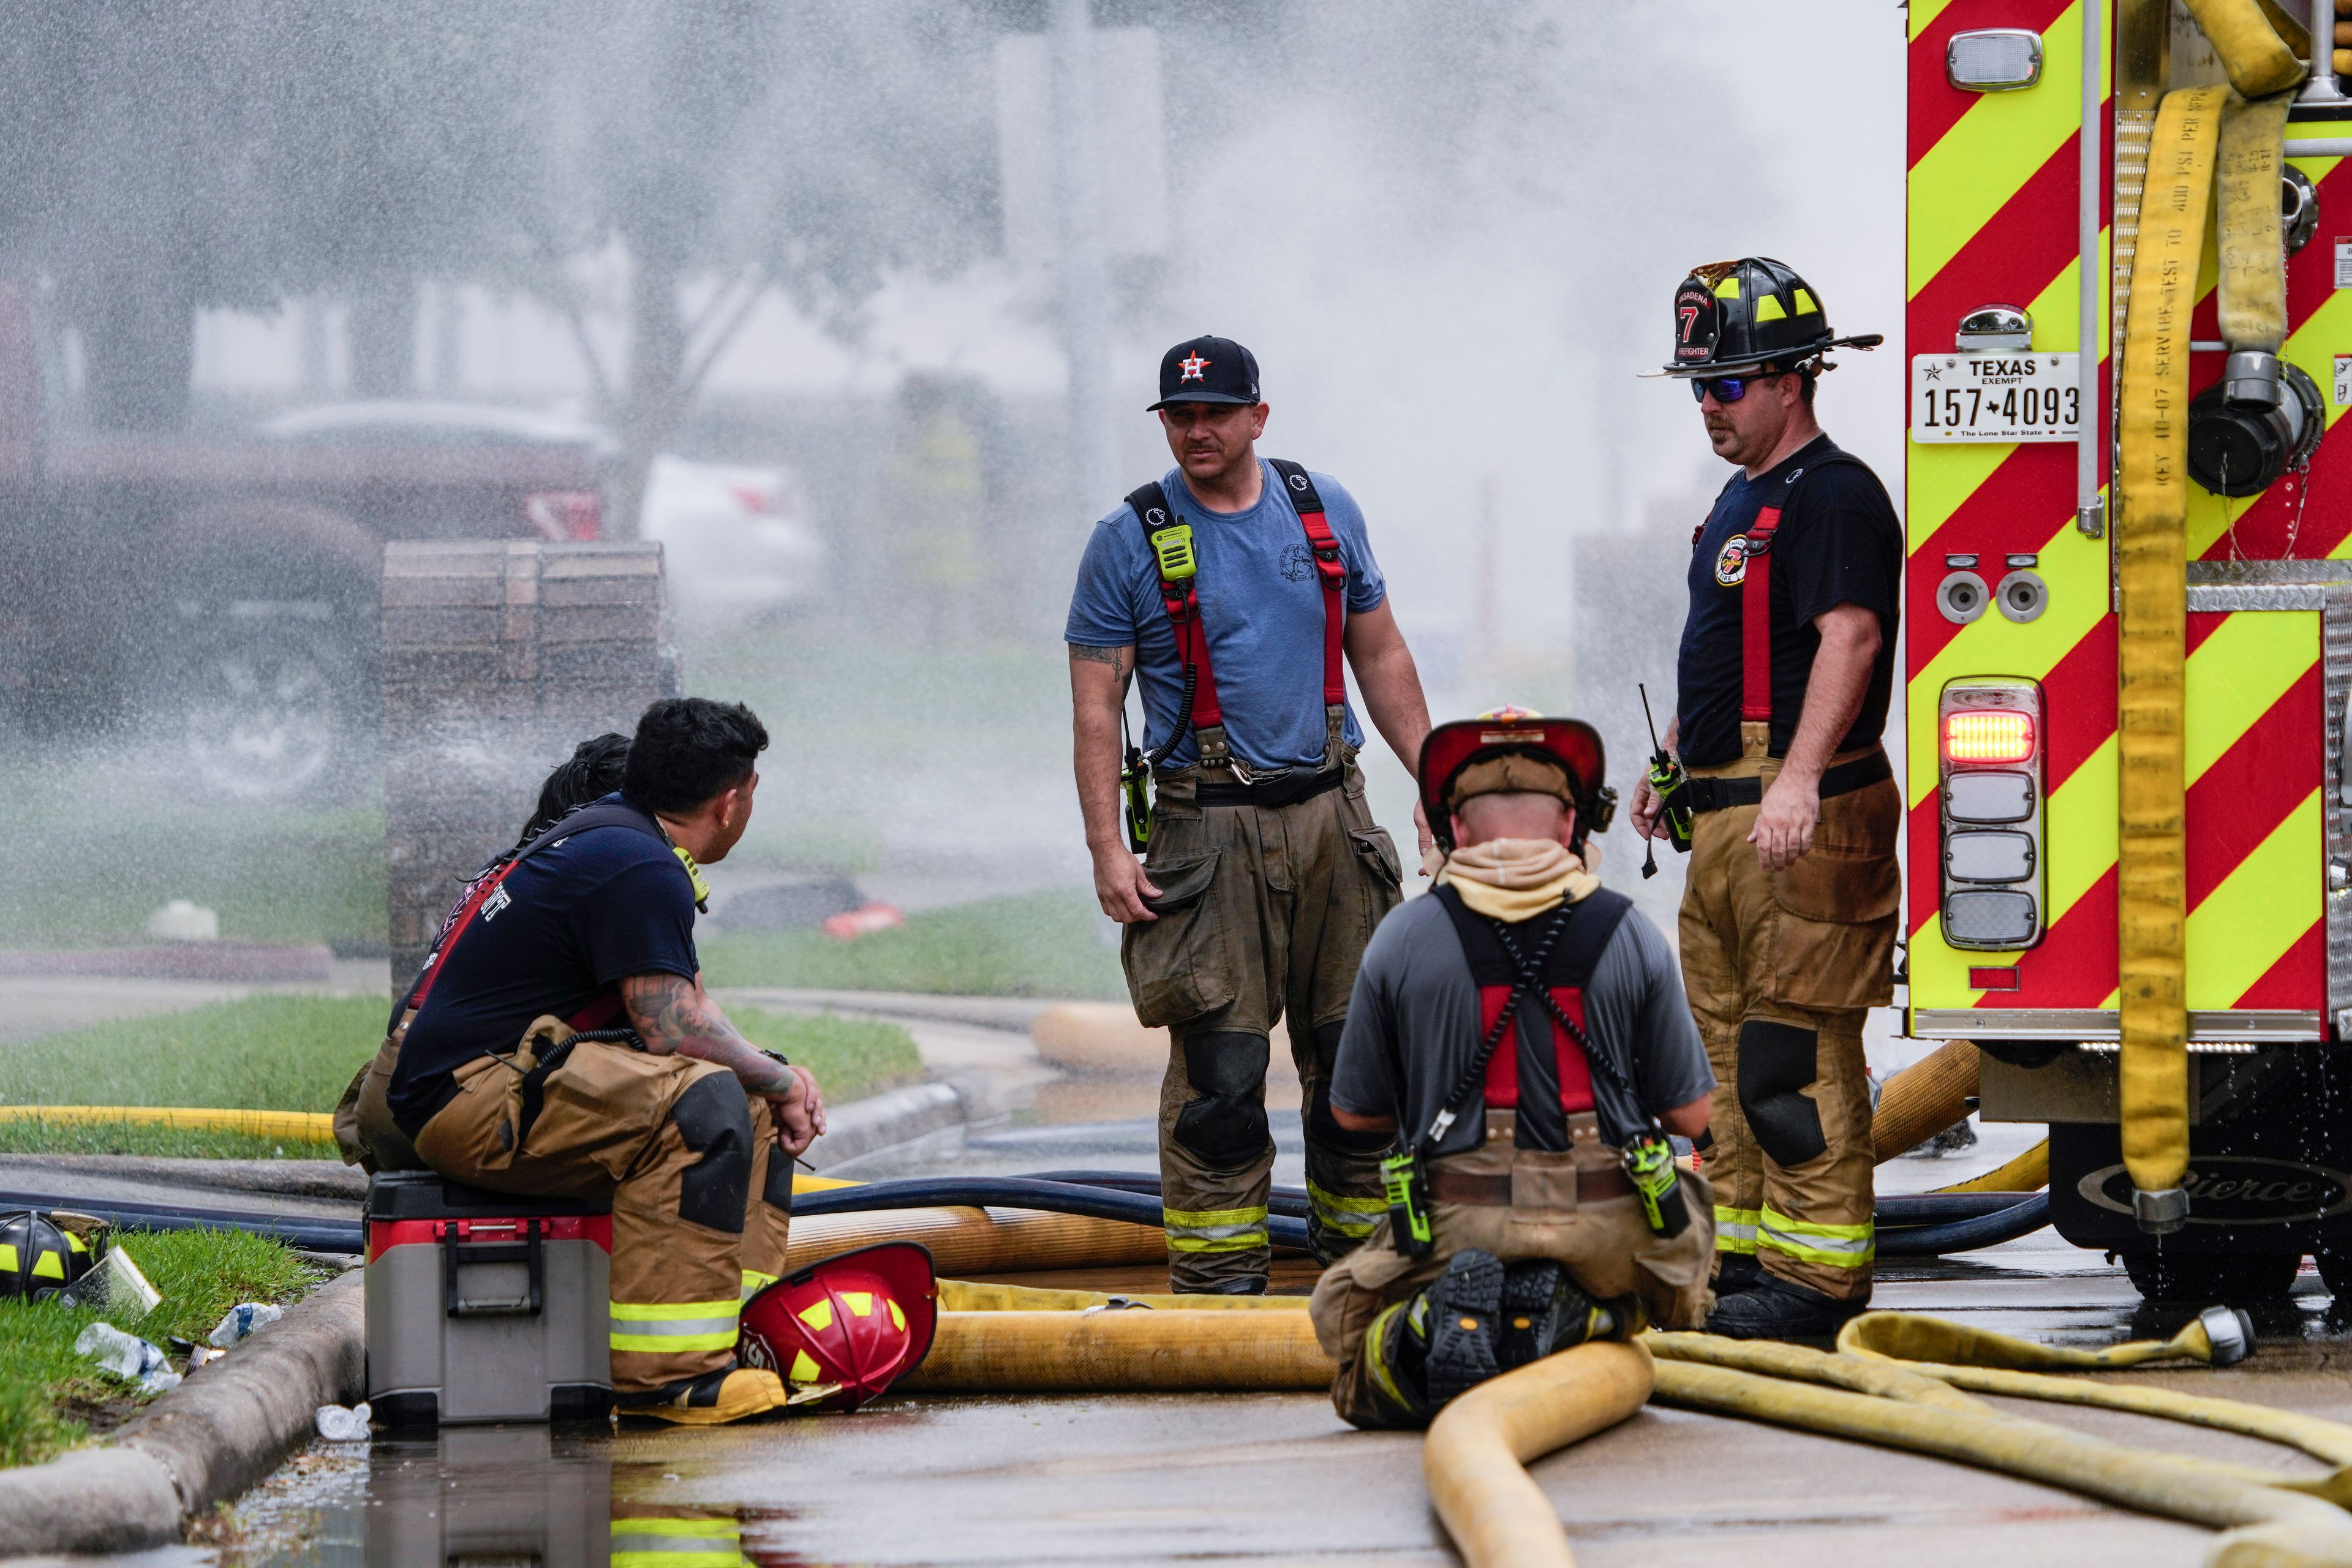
column 982, row 1241
column 1474, row 1456
column 2150, row 545
column 294, row 1126
column 1123, row 1351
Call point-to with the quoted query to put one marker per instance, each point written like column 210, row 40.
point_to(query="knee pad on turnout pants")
column 1225, row 1124
column 1777, row 1061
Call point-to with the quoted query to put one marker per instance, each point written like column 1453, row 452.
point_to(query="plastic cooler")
column 484, row 1306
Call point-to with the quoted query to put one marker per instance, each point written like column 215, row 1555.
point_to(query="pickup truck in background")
column 217, row 595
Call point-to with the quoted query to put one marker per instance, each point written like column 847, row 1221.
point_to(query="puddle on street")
column 482, row 1496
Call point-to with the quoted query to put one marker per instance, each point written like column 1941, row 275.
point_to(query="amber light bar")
column 1988, row 735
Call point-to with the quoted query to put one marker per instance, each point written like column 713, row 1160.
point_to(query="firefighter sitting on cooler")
column 1523, row 1032
column 1789, row 915
column 1267, row 872
column 688, row 1128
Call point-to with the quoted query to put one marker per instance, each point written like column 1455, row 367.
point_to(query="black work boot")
column 1735, row 1272
column 1778, row 1309
column 1465, row 1305
column 1544, row 1310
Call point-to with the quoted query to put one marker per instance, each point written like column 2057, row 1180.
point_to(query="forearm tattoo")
column 672, row 1015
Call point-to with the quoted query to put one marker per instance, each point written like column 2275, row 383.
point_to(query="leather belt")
column 1287, row 790
column 1722, row 794
column 1493, row 1189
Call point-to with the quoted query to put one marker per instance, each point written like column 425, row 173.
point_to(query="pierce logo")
column 1731, row 563
column 1192, row 365
column 2236, row 1189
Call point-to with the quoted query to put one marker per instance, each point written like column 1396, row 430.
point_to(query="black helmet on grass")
column 1748, row 314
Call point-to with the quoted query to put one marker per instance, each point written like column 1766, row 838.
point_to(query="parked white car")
column 737, row 539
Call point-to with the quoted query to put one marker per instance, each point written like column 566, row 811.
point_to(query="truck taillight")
column 1988, row 735
column 1990, row 796
column 563, row 516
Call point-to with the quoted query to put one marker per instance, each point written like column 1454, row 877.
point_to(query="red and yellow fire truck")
column 2129, row 612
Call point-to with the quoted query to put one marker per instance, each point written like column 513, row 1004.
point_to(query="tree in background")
column 731, row 149
column 156, row 159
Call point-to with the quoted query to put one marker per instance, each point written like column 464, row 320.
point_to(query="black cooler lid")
column 428, row 1194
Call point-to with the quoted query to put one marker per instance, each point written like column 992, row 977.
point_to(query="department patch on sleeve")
column 1731, row 561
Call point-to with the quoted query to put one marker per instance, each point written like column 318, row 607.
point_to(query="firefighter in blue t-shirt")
column 1231, row 591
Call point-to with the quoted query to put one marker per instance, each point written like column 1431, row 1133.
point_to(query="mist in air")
column 793, row 286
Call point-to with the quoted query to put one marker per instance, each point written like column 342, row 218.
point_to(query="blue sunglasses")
column 1727, row 388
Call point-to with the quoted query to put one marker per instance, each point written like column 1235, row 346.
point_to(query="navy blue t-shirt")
column 566, row 924
column 1838, row 543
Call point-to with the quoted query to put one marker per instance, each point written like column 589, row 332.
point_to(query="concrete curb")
column 204, row 1442
column 894, row 1116
column 233, row 1422
column 279, row 1178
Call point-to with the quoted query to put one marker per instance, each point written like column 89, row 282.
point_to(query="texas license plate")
column 1995, row 397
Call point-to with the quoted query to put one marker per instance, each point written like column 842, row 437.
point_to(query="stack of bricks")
column 499, row 655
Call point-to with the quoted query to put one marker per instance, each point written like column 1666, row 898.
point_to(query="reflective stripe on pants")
column 1214, row 1230
column 1831, row 1245
column 1354, row 1218
column 675, row 1325
column 1735, row 1229
column 678, row 1544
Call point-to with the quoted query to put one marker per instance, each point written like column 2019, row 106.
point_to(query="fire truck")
column 2129, row 613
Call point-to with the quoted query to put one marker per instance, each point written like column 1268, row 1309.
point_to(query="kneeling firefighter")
column 1523, row 1031
column 562, row 1044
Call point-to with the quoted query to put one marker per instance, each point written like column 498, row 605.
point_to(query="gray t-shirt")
column 1416, row 1002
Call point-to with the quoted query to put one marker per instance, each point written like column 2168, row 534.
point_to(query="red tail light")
column 1988, row 735
column 561, row 516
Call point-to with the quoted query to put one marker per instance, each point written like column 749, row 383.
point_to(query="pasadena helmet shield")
column 1207, row 370
column 1746, row 314
column 1544, row 755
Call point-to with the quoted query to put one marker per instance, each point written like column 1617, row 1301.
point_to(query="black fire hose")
column 1967, row 1234
column 1920, row 1224
column 1927, row 1225
column 307, row 1233
column 1016, row 1193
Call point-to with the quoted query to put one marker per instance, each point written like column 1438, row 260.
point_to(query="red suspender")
column 475, row 898
column 1334, row 572
column 1575, row 1074
column 1756, row 621
column 1182, row 599
column 1183, row 603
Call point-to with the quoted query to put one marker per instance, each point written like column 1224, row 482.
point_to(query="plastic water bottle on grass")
column 128, row 1357
column 242, row 1320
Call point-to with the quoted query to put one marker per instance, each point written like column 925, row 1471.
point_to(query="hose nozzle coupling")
column 2231, row 1331
column 2161, row 1213
column 2250, row 379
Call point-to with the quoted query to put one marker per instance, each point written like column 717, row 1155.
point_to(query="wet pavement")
column 1272, row 1478
column 1266, row 1478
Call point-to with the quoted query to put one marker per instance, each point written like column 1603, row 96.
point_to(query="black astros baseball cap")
column 1207, row 370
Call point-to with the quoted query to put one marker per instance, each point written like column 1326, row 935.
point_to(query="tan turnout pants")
column 701, row 1197
column 1782, row 968
column 1264, row 913
column 1608, row 1245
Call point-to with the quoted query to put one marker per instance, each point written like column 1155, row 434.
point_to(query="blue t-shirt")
column 1262, row 602
column 566, row 924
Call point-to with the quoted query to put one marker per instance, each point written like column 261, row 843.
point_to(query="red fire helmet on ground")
column 853, row 1324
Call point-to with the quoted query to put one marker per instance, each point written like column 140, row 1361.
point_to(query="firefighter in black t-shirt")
column 1788, row 917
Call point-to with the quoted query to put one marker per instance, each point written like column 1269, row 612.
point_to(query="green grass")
column 295, row 1053
column 259, row 1053
column 96, row 849
column 201, row 1274
column 42, row 1137
column 1038, row 944
column 851, row 1056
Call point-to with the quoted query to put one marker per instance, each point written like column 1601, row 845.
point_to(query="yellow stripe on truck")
column 2260, row 910
column 1991, row 152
